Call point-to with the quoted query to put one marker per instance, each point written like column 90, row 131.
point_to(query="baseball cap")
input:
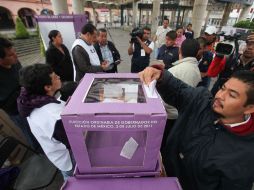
column 211, row 30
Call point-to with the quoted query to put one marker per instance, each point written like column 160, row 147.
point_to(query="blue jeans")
column 67, row 174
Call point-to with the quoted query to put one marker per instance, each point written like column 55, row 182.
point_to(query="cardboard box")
column 112, row 126
column 161, row 183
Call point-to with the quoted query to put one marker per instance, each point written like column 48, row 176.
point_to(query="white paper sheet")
column 150, row 90
column 129, row 148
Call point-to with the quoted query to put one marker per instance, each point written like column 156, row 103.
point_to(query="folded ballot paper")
column 150, row 90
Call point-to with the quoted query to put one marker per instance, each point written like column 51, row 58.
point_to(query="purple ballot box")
column 161, row 183
column 113, row 126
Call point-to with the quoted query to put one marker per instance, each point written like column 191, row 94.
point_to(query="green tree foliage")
column 21, row 31
column 245, row 24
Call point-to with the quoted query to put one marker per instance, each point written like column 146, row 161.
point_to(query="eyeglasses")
column 147, row 33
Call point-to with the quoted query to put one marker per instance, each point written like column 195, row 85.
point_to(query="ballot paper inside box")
column 113, row 126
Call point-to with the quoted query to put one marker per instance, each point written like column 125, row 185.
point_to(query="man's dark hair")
column 88, row 28
column 4, row 44
column 102, row 30
column 246, row 77
column 166, row 19
column 189, row 48
column 146, row 28
column 35, row 77
column 172, row 35
column 179, row 27
column 189, row 24
column 202, row 41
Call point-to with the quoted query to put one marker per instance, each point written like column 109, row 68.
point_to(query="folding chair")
column 36, row 172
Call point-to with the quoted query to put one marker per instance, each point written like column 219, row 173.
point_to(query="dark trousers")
column 138, row 67
column 113, row 70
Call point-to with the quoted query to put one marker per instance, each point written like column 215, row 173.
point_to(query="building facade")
column 28, row 9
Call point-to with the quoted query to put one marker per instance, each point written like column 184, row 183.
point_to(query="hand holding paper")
column 149, row 74
column 150, row 89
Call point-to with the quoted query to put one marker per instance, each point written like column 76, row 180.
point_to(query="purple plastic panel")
column 78, row 20
column 155, row 173
column 160, row 183
column 108, row 145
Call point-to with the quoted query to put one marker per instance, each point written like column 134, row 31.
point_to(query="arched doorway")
column 27, row 17
column 6, row 21
column 47, row 12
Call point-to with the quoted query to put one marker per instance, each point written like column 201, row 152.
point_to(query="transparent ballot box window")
column 115, row 90
column 115, row 148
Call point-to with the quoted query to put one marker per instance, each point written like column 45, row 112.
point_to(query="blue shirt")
column 107, row 54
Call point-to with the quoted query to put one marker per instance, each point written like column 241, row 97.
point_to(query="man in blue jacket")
column 169, row 52
column 211, row 144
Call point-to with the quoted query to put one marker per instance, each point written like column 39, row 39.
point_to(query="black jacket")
column 169, row 55
column 9, row 88
column 203, row 155
column 61, row 63
column 114, row 51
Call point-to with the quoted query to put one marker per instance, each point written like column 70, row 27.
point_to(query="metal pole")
column 178, row 16
column 162, row 15
column 182, row 17
column 139, row 16
column 121, row 15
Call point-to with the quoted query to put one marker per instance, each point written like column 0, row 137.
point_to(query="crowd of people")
column 208, row 136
